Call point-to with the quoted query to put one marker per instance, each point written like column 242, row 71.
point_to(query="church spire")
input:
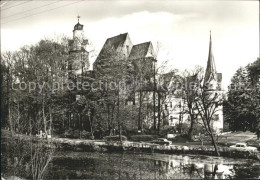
column 78, row 18
column 211, row 71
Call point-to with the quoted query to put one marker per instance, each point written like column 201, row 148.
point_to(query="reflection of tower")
column 78, row 56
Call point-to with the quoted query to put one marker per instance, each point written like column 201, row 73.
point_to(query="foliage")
column 180, row 138
column 26, row 158
column 26, row 110
column 143, row 137
column 115, row 138
column 242, row 108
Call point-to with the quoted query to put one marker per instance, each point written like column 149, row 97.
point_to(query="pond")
column 29, row 160
column 131, row 165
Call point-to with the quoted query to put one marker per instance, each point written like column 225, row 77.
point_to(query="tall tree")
column 242, row 106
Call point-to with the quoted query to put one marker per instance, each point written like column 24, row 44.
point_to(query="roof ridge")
column 117, row 35
column 143, row 43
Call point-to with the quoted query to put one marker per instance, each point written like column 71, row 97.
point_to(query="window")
column 171, row 104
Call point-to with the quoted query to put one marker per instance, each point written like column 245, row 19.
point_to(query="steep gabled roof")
column 112, row 44
column 141, row 51
column 116, row 40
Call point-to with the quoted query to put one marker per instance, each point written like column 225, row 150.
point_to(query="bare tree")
column 207, row 104
column 191, row 80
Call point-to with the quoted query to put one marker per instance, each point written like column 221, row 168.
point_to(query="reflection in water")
column 147, row 166
column 128, row 165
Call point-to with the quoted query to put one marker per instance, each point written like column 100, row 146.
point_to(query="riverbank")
column 65, row 144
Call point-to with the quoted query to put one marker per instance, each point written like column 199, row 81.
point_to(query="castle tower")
column 78, row 55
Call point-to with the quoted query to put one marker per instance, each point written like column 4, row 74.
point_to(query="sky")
column 180, row 27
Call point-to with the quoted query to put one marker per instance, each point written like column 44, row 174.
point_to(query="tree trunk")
column 18, row 118
column 159, row 113
column 30, row 124
column 213, row 142
column 79, row 126
column 154, row 105
column 50, row 111
column 108, row 120
column 118, row 118
column 82, row 122
column 69, row 119
column 191, row 127
column 91, row 119
column 180, row 123
column 43, row 115
column 9, row 104
column 91, row 129
column 140, row 111
column 9, row 118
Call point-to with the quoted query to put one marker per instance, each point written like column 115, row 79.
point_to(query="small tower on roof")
column 78, row 55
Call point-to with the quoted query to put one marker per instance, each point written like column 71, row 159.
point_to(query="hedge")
column 115, row 138
column 139, row 138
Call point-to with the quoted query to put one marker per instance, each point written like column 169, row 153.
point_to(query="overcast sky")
column 181, row 27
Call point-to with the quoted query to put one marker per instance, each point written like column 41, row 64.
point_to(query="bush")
column 86, row 135
column 68, row 133
column 115, row 138
column 143, row 137
column 180, row 138
column 167, row 130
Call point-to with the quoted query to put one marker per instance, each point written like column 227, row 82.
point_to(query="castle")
column 141, row 58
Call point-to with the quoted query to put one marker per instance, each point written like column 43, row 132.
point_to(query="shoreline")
column 81, row 145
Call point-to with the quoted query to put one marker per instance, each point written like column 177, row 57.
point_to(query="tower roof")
column 78, row 26
column 211, row 72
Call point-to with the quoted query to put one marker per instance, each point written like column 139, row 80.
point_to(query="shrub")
column 68, row 133
column 86, row 135
column 143, row 137
column 180, row 138
column 115, row 138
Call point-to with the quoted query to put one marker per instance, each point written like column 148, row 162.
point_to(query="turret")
column 78, row 55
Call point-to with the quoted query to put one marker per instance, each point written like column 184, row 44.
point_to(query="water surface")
column 130, row 165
